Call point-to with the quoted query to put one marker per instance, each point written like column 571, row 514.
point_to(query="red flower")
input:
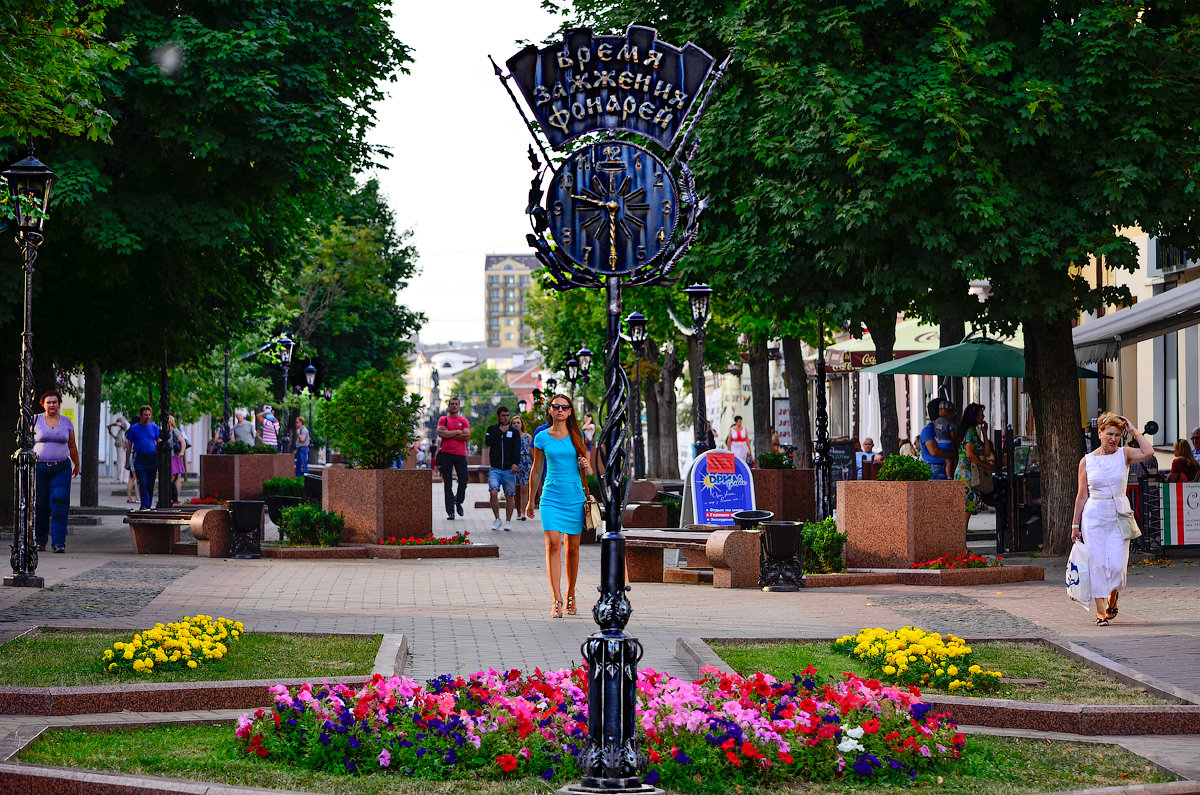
column 786, row 758
column 871, row 726
column 654, row 757
column 728, row 744
column 508, row 762
column 733, row 759
column 826, row 731
column 750, row 751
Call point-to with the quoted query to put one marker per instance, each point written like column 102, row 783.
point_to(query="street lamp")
column 522, row 405
column 821, row 463
column 286, row 345
column 585, row 366
column 698, row 297
column 310, row 376
column 29, row 183
column 572, row 376
column 636, row 325
column 552, row 385
column 537, row 398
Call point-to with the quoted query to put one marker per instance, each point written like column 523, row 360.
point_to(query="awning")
column 1103, row 337
column 912, row 337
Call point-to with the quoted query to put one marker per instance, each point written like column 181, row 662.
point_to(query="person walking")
column 303, row 445
column 179, row 445
column 738, row 440
column 270, row 428
column 504, row 459
column 454, row 430
column 142, row 440
column 242, row 431
column 58, row 462
column 563, row 493
column 1103, row 477
column 525, row 468
column 974, row 452
column 116, row 431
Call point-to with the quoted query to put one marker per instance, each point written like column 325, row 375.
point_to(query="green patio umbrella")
column 977, row 357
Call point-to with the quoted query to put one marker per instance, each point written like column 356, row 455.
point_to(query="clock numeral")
column 558, row 209
column 640, row 252
column 568, row 180
column 566, row 236
column 661, row 237
column 612, row 183
column 658, row 179
column 666, row 208
column 587, row 253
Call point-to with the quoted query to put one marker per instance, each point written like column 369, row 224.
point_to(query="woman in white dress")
column 1103, row 475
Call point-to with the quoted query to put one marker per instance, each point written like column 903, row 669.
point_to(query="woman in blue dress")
column 561, row 446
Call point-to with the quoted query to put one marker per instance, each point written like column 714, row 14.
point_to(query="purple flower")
column 323, row 739
column 548, row 774
column 385, row 758
column 682, row 758
column 651, row 777
column 918, row 711
column 354, row 742
column 865, row 764
column 451, row 756
column 350, row 766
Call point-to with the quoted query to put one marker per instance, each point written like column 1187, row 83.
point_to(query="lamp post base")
column 24, row 581
column 579, row 789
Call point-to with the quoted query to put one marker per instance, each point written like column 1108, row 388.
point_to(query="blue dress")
column 562, row 493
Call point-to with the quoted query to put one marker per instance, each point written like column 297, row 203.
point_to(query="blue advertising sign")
column 635, row 82
column 720, row 485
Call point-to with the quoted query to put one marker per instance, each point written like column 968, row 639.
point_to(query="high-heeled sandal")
column 556, row 611
column 1102, row 622
column 1111, row 612
column 570, row 605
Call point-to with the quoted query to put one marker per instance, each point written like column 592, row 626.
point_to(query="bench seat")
column 732, row 554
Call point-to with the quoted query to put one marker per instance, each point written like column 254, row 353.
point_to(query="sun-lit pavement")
column 461, row 616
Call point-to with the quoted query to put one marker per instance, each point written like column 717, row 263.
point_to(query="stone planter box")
column 894, row 524
column 213, row 534
column 240, row 477
column 790, row 494
column 379, row 503
column 428, row 551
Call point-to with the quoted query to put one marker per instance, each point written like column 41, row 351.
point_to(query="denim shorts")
column 502, row 477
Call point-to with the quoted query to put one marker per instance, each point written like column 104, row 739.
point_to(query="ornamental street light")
column 572, row 375
column 310, row 376
column 698, row 297
column 821, row 463
column 537, row 398
column 29, row 183
column 286, row 345
column 522, row 405
column 551, row 385
column 636, row 326
column 585, row 366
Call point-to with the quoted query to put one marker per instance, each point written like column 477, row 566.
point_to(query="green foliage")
column 371, row 419
column 482, row 390
column 773, row 460
column 308, row 525
column 674, row 506
column 902, row 467
column 283, row 487
column 236, row 447
column 823, row 546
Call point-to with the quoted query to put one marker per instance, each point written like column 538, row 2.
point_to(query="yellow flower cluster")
column 184, row 644
column 912, row 656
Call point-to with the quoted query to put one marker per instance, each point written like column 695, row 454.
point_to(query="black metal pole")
column 24, row 558
column 284, row 436
column 639, row 449
column 821, row 462
column 164, row 437
column 584, row 378
column 225, row 405
column 699, row 410
column 612, row 758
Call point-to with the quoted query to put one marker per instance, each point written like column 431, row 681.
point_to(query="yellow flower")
column 889, row 669
column 952, row 670
column 192, row 663
column 138, row 665
column 955, row 684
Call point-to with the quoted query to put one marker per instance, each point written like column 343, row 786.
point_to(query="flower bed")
column 458, row 538
column 188, row 643
column 704, row 736
column 967, row 560
column 911, row 656
column 216, row 502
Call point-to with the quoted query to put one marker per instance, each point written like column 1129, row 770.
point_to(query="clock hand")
column 612, row 235
column 589, row 200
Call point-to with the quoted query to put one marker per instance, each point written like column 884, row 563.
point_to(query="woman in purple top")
column 58, row 462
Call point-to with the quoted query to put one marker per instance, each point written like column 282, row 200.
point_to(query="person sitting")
column 867, row 453
column 1184, row 469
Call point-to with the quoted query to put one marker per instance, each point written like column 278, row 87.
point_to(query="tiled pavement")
column 461, row 616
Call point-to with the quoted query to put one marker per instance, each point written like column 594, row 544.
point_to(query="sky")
column 458, row 175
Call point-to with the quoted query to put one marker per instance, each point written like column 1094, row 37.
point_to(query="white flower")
column 850, row 744
column 857, row 732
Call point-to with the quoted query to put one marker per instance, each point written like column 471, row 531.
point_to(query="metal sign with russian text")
column 720, row 485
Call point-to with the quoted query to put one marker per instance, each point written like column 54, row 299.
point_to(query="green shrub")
column 823, row 547
column 674, row 507
column 241, row 448
column 307, row 525
column 372, row 419
column 283, row 487
column 774, row 460
column 901, row 467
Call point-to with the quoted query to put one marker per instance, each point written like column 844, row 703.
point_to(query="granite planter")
column 240, row 477
column 894, row 524
column 790, row 494
column 380, row 503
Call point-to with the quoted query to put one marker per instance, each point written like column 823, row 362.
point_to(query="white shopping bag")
column 1079, row 582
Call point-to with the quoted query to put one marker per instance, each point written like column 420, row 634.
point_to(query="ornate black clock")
column 612, row 207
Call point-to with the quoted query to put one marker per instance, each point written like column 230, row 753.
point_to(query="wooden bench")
column 156, row 532
column 732, row 554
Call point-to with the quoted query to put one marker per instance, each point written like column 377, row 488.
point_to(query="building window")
column 493, row 280
column 494, row 322
column 494, row 308
column 493, row 294
column 508, row 321
column 510, row 308
column 524, row 280
column 508, row 337
column 510, row 293
column 510, row 279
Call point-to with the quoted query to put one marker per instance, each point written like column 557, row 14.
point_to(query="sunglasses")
column 559, row 407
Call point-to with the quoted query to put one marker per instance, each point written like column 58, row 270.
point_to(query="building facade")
column 507, row 278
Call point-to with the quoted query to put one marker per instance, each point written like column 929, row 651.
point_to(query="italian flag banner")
column 1180, row 514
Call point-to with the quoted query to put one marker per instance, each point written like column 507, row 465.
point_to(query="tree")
column 482, row 390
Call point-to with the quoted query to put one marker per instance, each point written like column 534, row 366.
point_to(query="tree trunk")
column 89, row 464
column 797, row 385
column 653, row 429
column 760, row 396
column 883, row 333
column 667, row 444
column 951, row 331
column 1054, row 397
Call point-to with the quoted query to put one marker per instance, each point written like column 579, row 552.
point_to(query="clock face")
column 612, row 207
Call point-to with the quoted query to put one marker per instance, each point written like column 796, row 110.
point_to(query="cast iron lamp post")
column 636, row 325
column 286, row 345
column 522, row 405
column 572, row 375
column 821, row 463
column 551, row 385
column 310, row 376
column 585, row 366
column 29, row 183
column 698, row 297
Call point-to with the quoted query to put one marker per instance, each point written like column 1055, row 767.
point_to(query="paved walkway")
column 463, row 616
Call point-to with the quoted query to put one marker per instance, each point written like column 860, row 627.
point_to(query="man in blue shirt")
column 932, row 452
column 142, row 440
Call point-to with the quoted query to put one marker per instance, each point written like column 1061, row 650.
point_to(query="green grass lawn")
column 55, row 659
column 993, row 765
column 1067, row 682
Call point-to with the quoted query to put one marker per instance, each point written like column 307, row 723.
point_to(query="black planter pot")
column 748, row 520
column 276, row 504
column 781, row 564
column 312, row 489
column 246, row 520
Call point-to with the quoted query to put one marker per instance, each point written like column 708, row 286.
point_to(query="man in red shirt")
column 454, row 430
